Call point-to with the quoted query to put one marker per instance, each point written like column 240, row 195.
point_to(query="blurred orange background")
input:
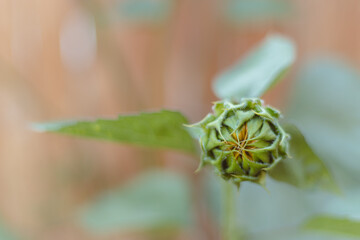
column 75, row 59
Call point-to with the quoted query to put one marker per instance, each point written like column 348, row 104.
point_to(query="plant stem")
column 229, row 216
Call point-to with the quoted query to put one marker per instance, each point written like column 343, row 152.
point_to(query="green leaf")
column 257, row 11
column 333, row 225
column 325, row 107
column 259, row 71
column 162, row 129
column 304, row 169
column 153, row 201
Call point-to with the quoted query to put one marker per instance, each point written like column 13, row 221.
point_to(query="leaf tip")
column 38, row 127
column 49, row 127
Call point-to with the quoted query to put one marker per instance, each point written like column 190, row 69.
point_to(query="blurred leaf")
column 245, row 11
column 144, row 10
column 346, row 204
column 259, row 71
column 155, row 200
column 304, row 169
column 333, row 225
column 325, row 107
column 5, row 233
column 162, row 129
column 259, row 211
column 278, row 214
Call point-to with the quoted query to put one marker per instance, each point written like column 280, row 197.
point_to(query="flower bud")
column 242, row 141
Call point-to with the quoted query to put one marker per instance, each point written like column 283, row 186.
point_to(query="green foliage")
column 333, row 225
column 304, row 168
column 259, row 71
column 162, row 129
column 155, row 200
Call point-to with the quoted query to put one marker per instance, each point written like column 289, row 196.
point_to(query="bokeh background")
column 100, row 58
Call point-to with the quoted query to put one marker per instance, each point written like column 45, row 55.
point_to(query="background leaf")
column 260, row 70
column 144, row 11
column 304, row 168
column 158, row 129
column 262, row 214
column 279, row 213
column 5, row 234
column 325, row 107
column 155, row 200
column 245, row 11
column 333, row 225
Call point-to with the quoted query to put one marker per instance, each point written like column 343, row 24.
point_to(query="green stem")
column 229, row 215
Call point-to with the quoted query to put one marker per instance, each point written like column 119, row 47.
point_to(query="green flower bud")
column 242, row 141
